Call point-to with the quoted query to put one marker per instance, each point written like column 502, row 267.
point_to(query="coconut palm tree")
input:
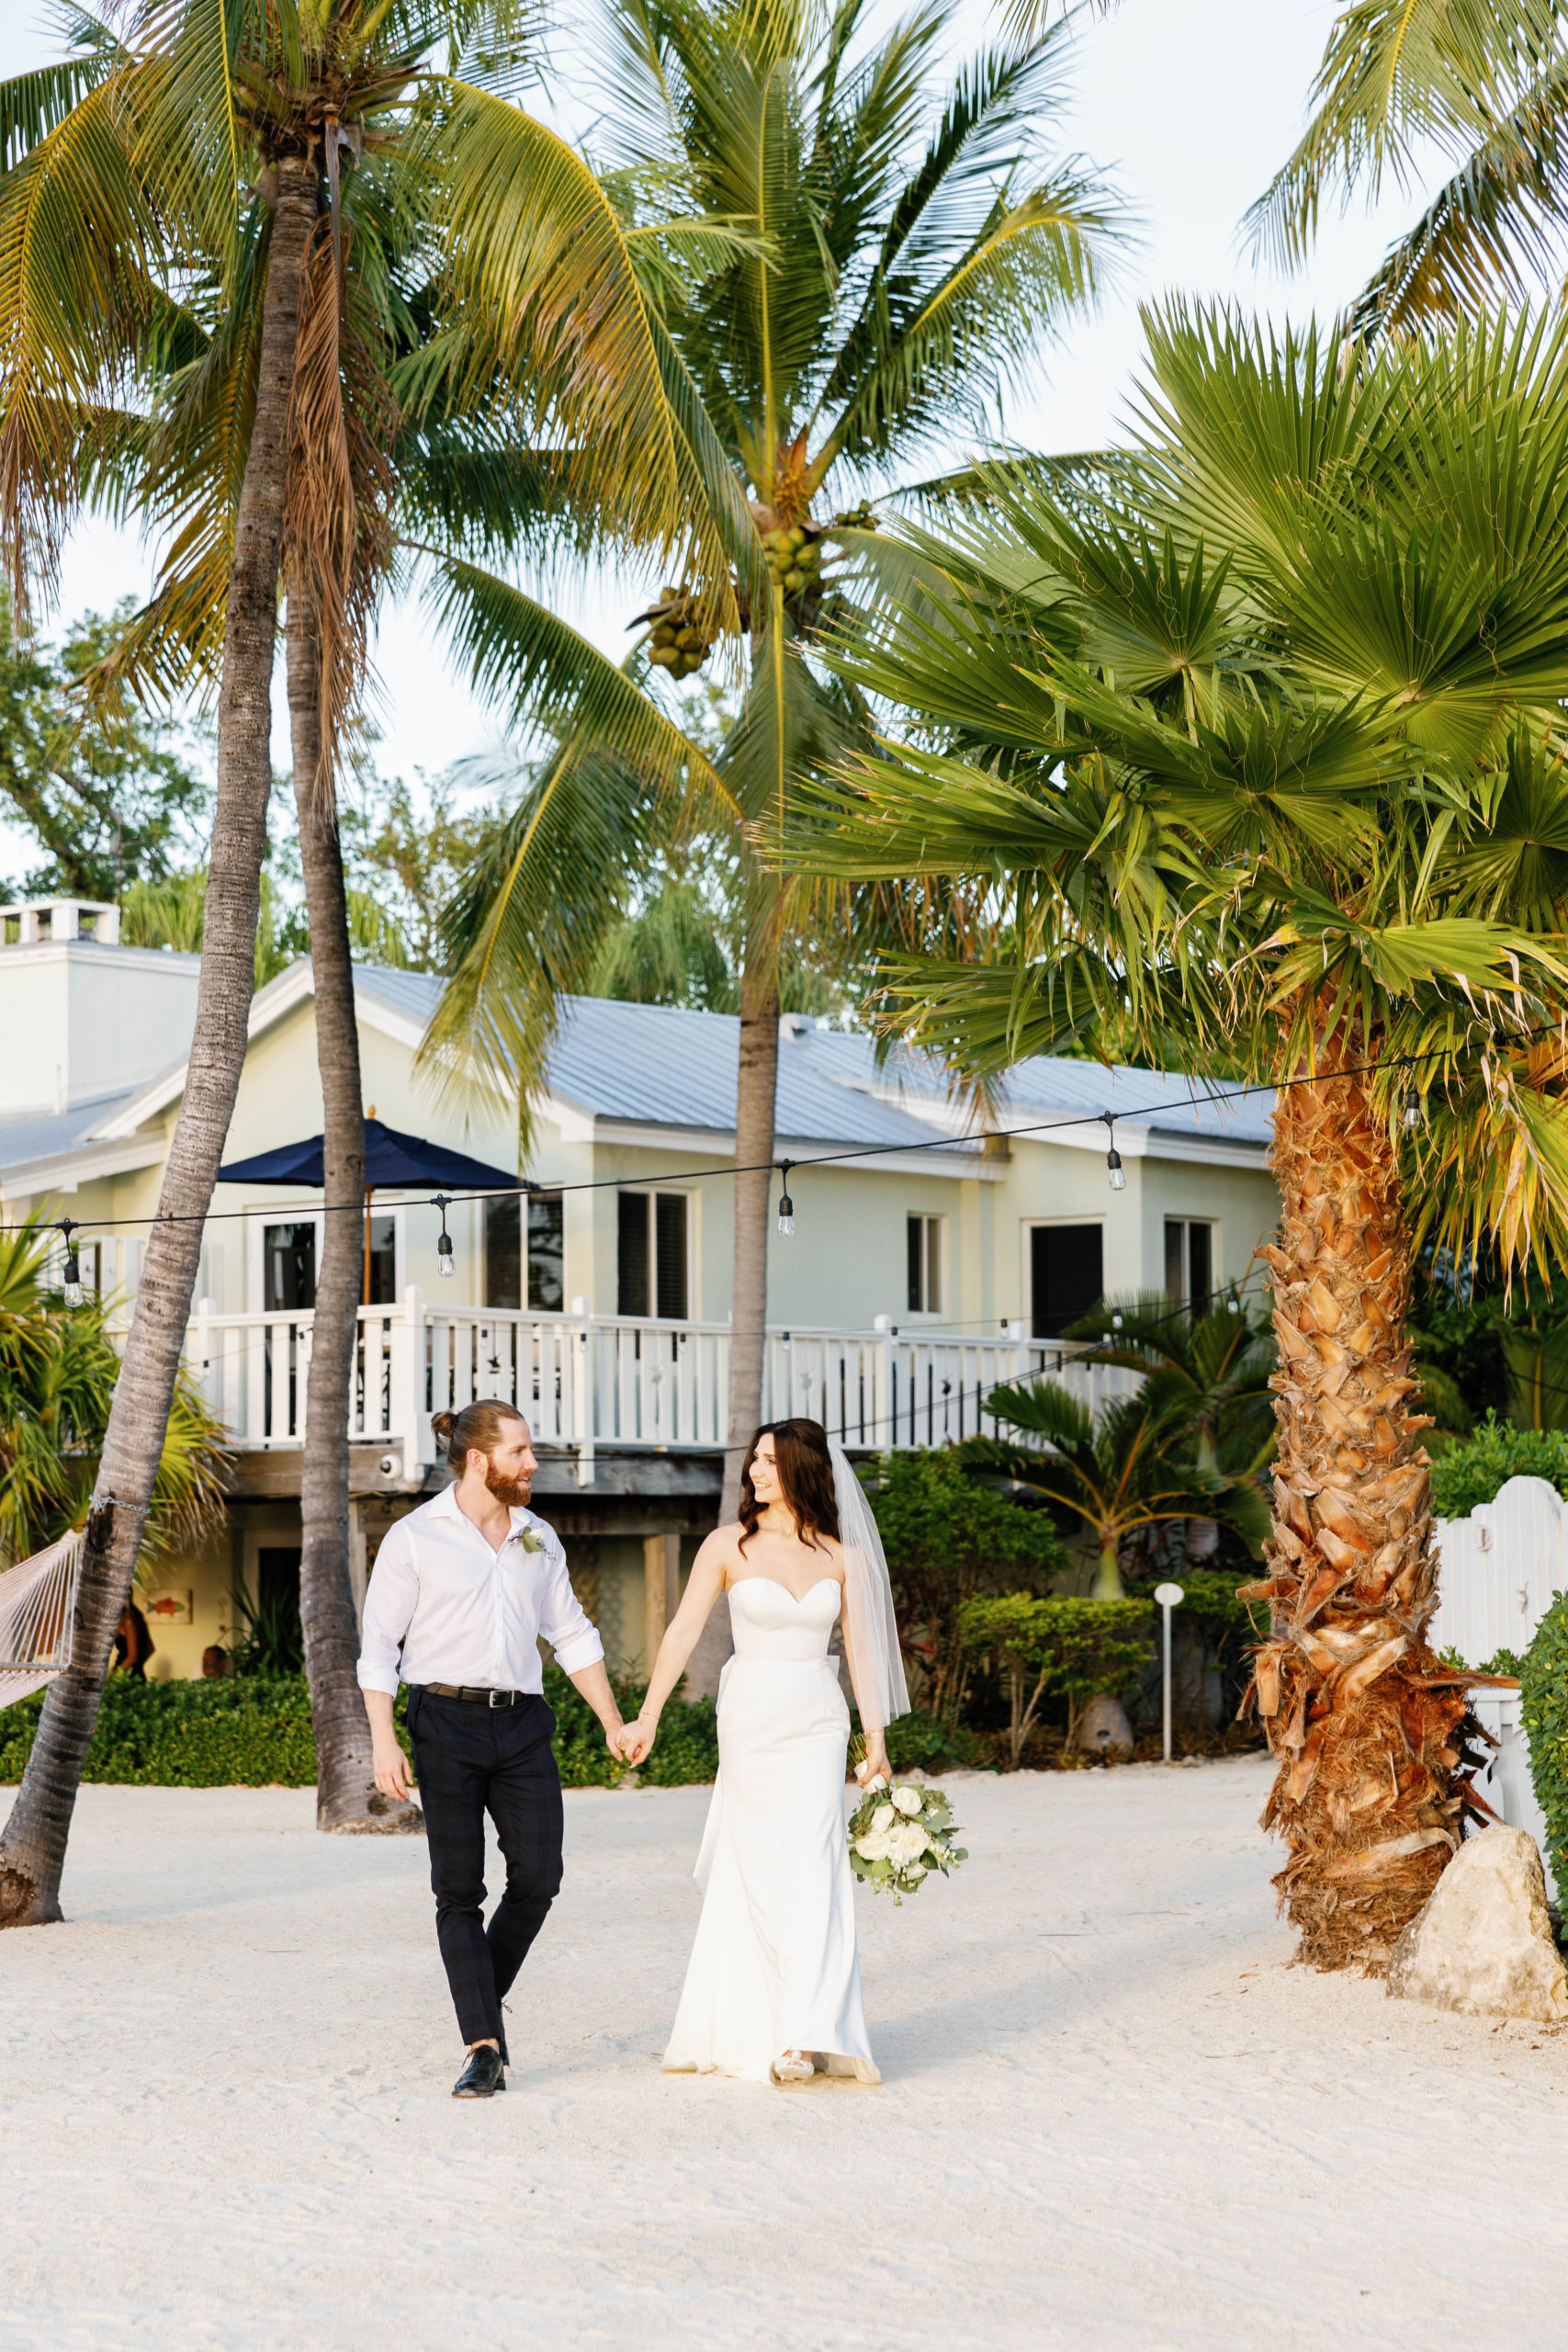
column 1257, row 745
column 172, row 214
column 911, row 254
column 1489, row 87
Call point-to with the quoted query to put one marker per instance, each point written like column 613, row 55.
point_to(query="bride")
column 772, row 1991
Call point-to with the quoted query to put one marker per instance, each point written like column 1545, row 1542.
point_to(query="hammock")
column 37, row 1614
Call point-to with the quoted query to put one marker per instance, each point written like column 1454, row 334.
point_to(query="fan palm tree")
column 176, row 333
column 1487, row 86
column 1259, row 746
column 1116, row 1474
column 910, row 256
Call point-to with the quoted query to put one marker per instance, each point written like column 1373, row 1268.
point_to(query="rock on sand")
column 1483, row 1943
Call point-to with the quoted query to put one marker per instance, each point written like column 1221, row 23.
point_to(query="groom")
column 463, row 1589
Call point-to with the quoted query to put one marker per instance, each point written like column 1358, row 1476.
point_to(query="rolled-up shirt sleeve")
column 563, row 1623
column 388, row 1611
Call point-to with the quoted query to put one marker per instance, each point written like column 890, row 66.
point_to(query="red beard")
column 513, row 1492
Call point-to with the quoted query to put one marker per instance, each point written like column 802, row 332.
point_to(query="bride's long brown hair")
column 805, row 1475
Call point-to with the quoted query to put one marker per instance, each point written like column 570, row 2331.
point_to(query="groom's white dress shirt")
column 465, row 1614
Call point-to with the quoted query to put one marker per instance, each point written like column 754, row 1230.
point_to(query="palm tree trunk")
column 32, row 1849
column 346, row 1794
column 1108, row 1585
column 1354, row 1702
column 756, row 1091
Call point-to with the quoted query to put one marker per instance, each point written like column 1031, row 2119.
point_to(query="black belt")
column 475, row 1698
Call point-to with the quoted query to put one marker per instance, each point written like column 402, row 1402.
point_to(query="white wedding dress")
column 774, row 1966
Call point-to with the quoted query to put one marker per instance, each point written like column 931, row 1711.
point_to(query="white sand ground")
column 1112, row 2114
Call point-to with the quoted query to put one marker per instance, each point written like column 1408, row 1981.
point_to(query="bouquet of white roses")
column 898, row 1836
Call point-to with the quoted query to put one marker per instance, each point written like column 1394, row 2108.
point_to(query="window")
column 288, row 1260
column 1188, row 1260
column 381, row 1271
column 925, row 1265
column 540, row 1272
column 652, row 1254
column 1066, row 1274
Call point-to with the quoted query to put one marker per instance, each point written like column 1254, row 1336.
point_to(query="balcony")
column 616, row 1383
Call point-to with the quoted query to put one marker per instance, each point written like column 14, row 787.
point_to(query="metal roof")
column 29, row 1136
column 659, row 1066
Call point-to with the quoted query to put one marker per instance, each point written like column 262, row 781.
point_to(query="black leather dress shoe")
column 484, row 2075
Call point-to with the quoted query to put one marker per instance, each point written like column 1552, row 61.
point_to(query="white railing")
column 617, row 1381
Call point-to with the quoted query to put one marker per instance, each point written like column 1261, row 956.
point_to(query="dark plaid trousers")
column 470, row 1761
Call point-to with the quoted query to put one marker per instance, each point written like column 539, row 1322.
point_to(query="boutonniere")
column 531, row 1540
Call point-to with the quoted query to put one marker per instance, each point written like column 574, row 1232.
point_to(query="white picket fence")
column 586, row 1380
column 1499, row 1569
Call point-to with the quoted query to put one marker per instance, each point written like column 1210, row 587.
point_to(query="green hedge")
column 1544, row 1705
column 1477, row 1470
column 256, row 1733
column 185, row 1734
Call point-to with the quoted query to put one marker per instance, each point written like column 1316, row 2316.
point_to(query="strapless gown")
column 774, row 1965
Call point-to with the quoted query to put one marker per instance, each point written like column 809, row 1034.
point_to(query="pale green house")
column 923, row 1266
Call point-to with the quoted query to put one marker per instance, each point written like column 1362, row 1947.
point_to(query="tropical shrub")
column 1062, row 1642
column 1543, row 1706
column 1477, row 1470
column 948, row 1539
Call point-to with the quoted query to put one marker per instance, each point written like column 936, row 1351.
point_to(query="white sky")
column 1194, row 102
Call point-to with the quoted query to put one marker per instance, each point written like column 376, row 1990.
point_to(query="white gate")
column 1499, row 1569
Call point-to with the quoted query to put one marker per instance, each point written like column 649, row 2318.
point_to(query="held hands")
column 634, row 1741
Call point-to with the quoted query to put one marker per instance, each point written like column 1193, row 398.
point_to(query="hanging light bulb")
column 446, row 1261
column 1113, row 1157
column 1413, row 1115
column 71, row 1277
column 1116, row 1322
column 786, row 1206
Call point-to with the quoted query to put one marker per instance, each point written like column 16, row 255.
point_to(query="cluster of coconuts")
column 678, row 642
column 794, row 556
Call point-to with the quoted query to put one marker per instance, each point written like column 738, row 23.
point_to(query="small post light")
column 786, row 1206
column 445, row 1259
column 1113, row 1157
column 73, row 1274
column 1170, row 1597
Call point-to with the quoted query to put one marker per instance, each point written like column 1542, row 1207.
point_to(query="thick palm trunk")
column 32, row 1850
column 756, row 1093
column 1355, row 1703
column 346, row 1794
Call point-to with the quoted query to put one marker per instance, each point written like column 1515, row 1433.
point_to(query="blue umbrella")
column 391, row 1160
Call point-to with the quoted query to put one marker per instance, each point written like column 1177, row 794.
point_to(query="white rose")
column 906, row 1845
column 884, row 1817
column 872, row 1848
column 907, row 1801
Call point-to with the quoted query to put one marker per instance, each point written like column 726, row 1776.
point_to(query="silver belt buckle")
column 500, row 1699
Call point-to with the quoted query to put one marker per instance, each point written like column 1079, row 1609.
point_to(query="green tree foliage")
column 1066, row 1644
column 106, row 792
column 57, row 1370
column 1478, row 1470
column 950, row 1538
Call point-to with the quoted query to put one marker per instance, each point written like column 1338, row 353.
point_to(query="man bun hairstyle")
column 805, row 1475
column 477, row 1429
